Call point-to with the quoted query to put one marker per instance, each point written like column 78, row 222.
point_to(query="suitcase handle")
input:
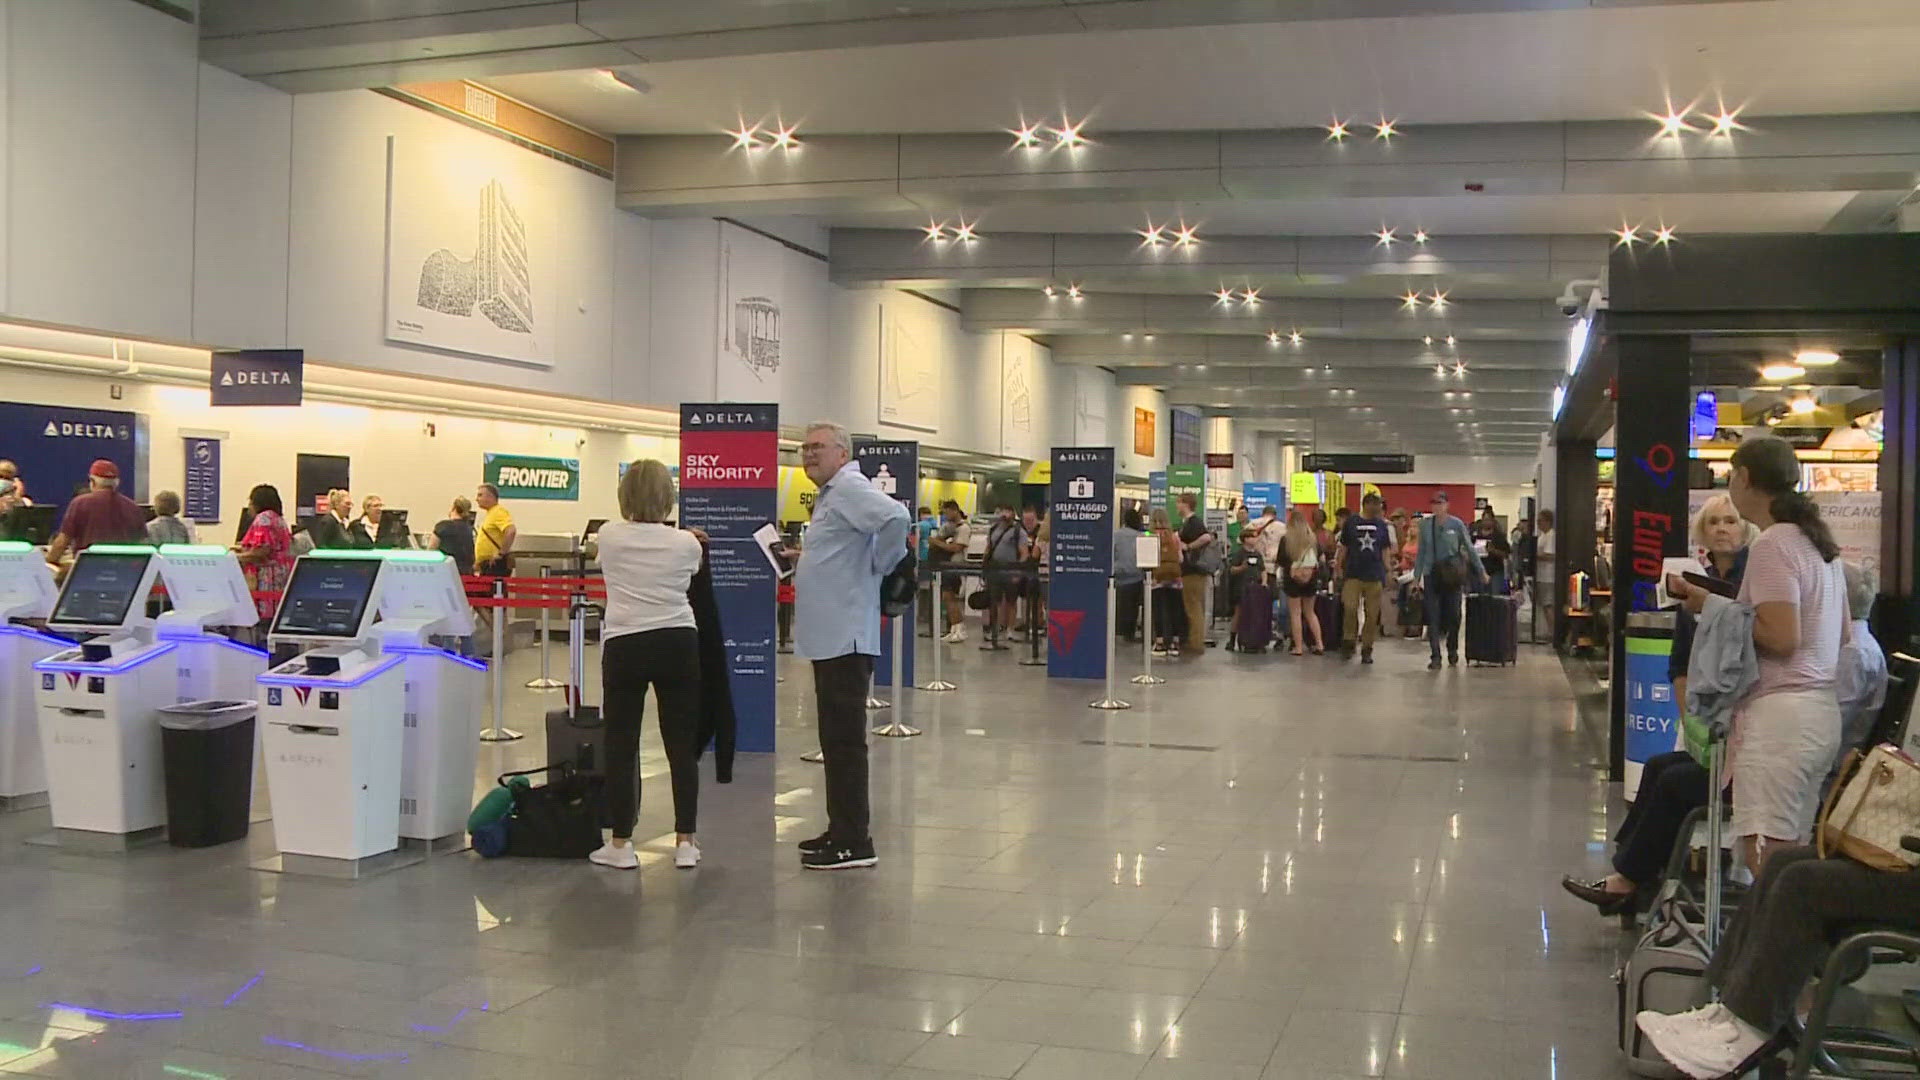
column 565, row 769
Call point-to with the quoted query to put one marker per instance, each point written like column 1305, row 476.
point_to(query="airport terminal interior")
column 1113, row 538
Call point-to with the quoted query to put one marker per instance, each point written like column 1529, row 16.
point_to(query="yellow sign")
column 796, row 494
column 1037, row 472
column 933, row 492
column 1303, row 487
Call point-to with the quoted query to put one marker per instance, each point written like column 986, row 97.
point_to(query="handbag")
column 1872, row 805
column 556, row 820
column 1450, row 572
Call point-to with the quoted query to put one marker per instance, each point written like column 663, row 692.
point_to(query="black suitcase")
column 577, row 737
column 1332, row 615
column 1493, row 629
column 1253, row 620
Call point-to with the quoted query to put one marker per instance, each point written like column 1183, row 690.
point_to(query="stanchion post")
column 894, row 728
column 499, row 732
column 544, row 682
column 1109, row 702
column 1032, row 589
column 1146, row 676
column 938, row 684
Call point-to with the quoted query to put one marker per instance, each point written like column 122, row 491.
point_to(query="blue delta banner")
column 894, row 467
column 200, row 494
column 729, row 486
column 256, row 377
column 1080, row 509
column 53, row 447
column 1256, row 496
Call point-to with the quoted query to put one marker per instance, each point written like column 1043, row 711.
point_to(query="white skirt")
column 1782, row 746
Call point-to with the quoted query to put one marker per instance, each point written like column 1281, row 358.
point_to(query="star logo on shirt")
column 1367, row 542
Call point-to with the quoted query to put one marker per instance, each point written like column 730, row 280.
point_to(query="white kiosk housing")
column 98, row 727
column 332, row 718
column 207, row 588
column 421, row 597
column 27, row 591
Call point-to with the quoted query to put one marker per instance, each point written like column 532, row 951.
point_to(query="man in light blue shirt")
column 857, row 535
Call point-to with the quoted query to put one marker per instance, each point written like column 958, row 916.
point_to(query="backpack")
column 898, row 587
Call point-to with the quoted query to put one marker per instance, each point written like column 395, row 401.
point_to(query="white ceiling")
column 1774, row 57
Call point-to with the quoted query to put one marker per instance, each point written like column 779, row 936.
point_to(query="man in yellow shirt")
column 494, row 535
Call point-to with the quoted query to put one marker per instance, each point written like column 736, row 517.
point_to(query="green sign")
column 520, row 477
column 1184, row 480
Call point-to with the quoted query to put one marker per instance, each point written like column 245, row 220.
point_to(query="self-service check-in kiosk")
column 27, row 591
column 99, row 732
column 332, row 718
column 206, row 587
column 420, row 597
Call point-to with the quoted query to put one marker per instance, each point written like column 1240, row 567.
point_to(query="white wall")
column 1502, row 480
column 241, row 181
column 1120, row 423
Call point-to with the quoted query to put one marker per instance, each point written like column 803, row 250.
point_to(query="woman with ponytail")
column 1787, row 731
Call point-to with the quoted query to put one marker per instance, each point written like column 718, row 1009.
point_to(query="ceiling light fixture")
column 1439, row 303
column 1026, row 135
column 1337, row 131
column 1385, row 129
column 1781, row 371
column 1459, row 369
column 1295, row 338
column 747, row 137
column 1726, row 122
column 1626, row 235
column 1068, row 134
column 935, row 230
column 1449, row 341
column 1410, row 300
column 964, row 231
column 1150, row 236
column 1427, row 341
column 1184, row 235
column 1439, row 369
column 1663, row 236
column 1073, row 291
column 1816, row 358
column 1385, row 235
column 1251, row 296
column 1419, row 236
column 1804, row 405
column 784, row 138
column 1273, row 337
column 1673, row 123
column 1048, row 290
column 1223, row 294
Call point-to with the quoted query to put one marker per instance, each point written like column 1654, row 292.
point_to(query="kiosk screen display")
column 101, row 589
column 326, row 597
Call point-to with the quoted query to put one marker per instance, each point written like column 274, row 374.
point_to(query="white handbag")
column 1874, row 803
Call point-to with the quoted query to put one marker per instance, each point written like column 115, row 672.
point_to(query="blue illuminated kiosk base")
column 421, row 598
column 97, row 705
column 332, row 719
column 27, row 593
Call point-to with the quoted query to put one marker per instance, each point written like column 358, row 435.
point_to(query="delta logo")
column 256, row 378
column 544, row 479
column 57, row 429
column 1063, row 629
column 73, row 680
column 698, row 418
column 302, row 693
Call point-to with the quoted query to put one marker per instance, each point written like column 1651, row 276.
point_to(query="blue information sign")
column 729, row 486
column 894, row 467
column 1156, row 490
column 200, row 495
column 1257, row 495
column 256, row 377
column 1653, row 716
column 1080, row 500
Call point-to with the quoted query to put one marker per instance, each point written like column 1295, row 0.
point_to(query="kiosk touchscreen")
column 421, row 598
column 332, row 717
column 206, row 587
column 27, row 592
column 99, row 731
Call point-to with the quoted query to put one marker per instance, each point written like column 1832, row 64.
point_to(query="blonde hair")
column 337, row 496
column 1714, row 507
column 646, row 492
column 1299, row 539
column 1159, row 519
column 1863, row 584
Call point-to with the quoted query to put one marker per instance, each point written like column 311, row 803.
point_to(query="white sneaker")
column 955, row 636
column 619, row 858
column 686, row 856
column 1705, row 1043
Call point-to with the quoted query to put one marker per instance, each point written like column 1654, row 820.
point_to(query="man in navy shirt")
column 1365, row 542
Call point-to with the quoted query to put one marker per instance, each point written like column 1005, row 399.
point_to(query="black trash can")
column 206, row 748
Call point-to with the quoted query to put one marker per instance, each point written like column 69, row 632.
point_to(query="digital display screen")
column 101, row 589
column 326, row 597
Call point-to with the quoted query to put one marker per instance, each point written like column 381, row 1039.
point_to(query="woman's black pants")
column 669, row 661
column 1671, row 787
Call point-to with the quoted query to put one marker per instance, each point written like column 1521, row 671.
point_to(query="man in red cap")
column 101, row 516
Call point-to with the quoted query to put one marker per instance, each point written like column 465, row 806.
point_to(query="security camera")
column 1569, row 305
column 1570, row 301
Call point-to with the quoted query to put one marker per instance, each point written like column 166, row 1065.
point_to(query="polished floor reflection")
column 1268, row 868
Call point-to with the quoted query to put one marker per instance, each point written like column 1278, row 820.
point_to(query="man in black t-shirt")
column 454, row 536
column 1365, row 542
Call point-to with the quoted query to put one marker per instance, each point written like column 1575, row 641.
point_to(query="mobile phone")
column 1713, row 585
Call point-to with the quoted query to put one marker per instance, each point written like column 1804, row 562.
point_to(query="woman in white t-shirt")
column 648, row 638
column 1787, row 731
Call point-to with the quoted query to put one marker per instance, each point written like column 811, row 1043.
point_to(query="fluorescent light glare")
column 1816, row 358
column 1803, row 405
column 1781, row 371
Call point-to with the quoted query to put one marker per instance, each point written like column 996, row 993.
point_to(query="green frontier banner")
column 520, row 477
column 1184, row 480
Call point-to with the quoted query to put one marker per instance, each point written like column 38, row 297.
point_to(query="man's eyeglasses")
column 816, row 447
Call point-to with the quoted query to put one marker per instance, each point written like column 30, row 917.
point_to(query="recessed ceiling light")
column 1385, row 129
column 1673, row 123
column 1384, row 235
column 1726, row 122
column 1781, row 371
column 1295, row 337
column 1184, row 235
column 1151, row 235
column 1439, row 369
column 935, row 230
column 784, row 138
column 1273, row 337
column 1816, row 358
column 1419, row 236
column 1223, row 294
column 1626, row 236
column 1251, row 296
column 1803, row 405
column 964, row 231
column 1663, row 236
column 1439, row 303
column 1427, row 340
column 1073, row 291
column 1459, row 370
column 747, row 137
column 1449, row 340
column 1026, row 135
column 1048, row 290
column 1410, row 300
column 1337, row 130
column 1068, row 135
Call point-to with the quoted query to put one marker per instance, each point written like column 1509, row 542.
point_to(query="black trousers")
column 1671, row 786
column 1443, row 617
column 1780, row 935
column 1169, row 615
column 840, row 702
column 669, row 661
column 1126, row 614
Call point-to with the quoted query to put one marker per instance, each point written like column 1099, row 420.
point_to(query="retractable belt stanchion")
column 544, row 682
column 1031, row 586
column 991, row 631
column 938, row 684
column 1146, row 676
column 894, row 729
column 1109, row 702
column 499, row 732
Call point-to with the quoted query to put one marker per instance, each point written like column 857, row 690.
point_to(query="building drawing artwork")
column 495, row 281
column 756, row 335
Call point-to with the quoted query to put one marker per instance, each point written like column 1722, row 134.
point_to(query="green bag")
column 1694, row 731
column 495, row 805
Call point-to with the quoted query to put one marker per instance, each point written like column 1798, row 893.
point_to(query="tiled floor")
column 1340, row 872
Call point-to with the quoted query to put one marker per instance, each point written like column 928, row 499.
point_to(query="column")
column 1896, row 620
column 1577, row 478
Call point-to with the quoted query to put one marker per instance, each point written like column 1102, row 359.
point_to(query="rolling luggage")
column 1253, row 622
column 1493, row 629
column 1332, row 615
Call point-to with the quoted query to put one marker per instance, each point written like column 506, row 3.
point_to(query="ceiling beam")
column 1126, row 352
column 983, row 310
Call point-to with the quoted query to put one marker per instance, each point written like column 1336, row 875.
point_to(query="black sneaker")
column 1346, row 652
column 1433, row 664
column 818, row 843
column 1366, row 656
column 1453, row 659
column 840, row 858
